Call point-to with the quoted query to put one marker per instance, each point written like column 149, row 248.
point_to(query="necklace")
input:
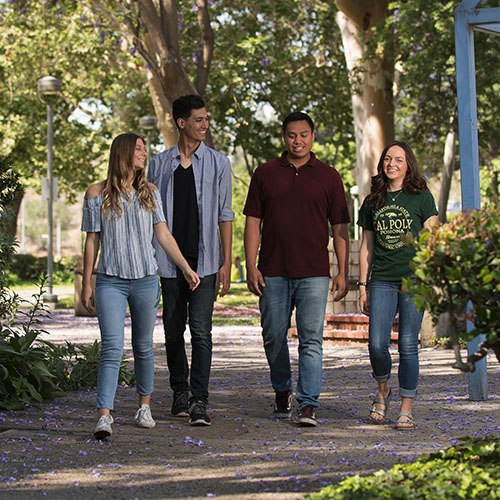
column 394, row 198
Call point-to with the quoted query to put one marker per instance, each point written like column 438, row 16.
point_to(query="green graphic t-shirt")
column 402, row 213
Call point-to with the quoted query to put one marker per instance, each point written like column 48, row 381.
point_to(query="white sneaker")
column 103, row 427
column 144, row 418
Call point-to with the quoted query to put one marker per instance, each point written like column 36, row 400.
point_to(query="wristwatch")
column 362, row 283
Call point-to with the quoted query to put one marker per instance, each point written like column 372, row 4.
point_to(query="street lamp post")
column 354, row 196
column 48, row 90
column 147, row 123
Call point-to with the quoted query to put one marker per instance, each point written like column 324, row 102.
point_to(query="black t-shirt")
column 186, row 222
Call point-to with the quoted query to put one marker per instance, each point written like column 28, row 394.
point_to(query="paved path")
column 48, row 452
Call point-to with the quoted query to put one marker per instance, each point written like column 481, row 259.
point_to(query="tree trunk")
column 10, row 225
column 371, row 81
column 165, row 122
column 448, row 169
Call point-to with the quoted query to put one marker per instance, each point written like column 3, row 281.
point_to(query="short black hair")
column 182, row 107
column 297, row 116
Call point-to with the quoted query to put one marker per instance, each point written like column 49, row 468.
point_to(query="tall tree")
column 371, row 81
column 154, row 29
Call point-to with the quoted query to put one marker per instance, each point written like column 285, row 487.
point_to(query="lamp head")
column 48, row 89
column 147, row 123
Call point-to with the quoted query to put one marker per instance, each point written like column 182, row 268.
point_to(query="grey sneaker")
column 198, row 414
column 103, row 428
column 307, row 416
column 144, row 417
column 180, row 404
column 283, row 404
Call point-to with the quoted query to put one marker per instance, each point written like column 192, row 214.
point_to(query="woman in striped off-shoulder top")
column 120, row 215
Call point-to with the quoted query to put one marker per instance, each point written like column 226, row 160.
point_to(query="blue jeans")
column 111, row 296
column 385, row 301
column 279, row 297
column 179, row 302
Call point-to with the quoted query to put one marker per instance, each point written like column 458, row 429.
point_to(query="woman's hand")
column 364, row 302
column 88, row 298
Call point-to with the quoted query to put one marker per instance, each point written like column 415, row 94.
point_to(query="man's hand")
column 255, row 281
column 339, row 287
column 224, row 279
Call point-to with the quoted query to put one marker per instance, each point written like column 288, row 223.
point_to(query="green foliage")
column 468, row 470
column 62, row 39
column 458, row 263
column 9, row 187
column 76, row 366
column 24, row 374
column 27, row 267
column 34, row 369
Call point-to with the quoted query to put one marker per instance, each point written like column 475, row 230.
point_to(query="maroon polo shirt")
column 295, row 206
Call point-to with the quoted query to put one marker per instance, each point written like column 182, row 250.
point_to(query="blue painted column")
column 469, row 155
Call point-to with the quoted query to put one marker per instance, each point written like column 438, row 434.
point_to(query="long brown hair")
column 120, row 164
column 413, row 183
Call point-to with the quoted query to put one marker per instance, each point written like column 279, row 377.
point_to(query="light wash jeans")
column 385, row 301
column 279, row 297
column 111, row 295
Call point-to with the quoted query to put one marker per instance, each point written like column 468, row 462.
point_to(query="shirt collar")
column 285, row 163
column 200, row 151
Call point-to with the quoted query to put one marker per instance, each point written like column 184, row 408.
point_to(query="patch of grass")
column 66, row 303
column 226, row 320
column 239, row 295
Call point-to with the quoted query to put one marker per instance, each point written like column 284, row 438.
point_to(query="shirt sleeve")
column 225, row 192
column 339, row 213
column 253, row 204
column 365, row 216
column 152, row 175
column 158, row 215
column 428, row 206
column 91, row 219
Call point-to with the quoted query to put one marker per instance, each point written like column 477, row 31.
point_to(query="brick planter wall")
column 348, row 329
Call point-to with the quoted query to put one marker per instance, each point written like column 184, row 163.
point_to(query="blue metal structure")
column 469, row 17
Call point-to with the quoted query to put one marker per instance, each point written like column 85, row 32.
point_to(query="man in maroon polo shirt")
column 290, row 201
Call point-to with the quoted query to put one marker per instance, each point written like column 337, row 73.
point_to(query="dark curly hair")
column 413, row 183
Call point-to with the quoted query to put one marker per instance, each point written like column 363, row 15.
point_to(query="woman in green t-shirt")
column 399, row 202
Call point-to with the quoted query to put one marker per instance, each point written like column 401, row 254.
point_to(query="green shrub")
column 9, row 187
column 469, row 470
column 27, row 267
column 24, row 374
column 458, row 264
column 33, row 369
column 76, row 366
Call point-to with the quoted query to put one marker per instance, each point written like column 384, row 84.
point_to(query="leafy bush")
column 27, row 267
column 24, row 374
column 33, row 369
column 459, row 263
column 76, row 366
column 469, row 470
column 9, row 186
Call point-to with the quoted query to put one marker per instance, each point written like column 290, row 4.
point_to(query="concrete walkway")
column 48, row 451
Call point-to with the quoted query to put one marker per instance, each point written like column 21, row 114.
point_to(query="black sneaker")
column 180, row 404
column 283, row 404
column 307, row 416
column 198, row 414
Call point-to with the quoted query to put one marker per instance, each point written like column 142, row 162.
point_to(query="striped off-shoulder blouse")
column 126, row 243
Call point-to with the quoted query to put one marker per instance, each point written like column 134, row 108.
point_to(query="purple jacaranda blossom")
column 196, row 56
column 132, row 51
column 265, row 61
